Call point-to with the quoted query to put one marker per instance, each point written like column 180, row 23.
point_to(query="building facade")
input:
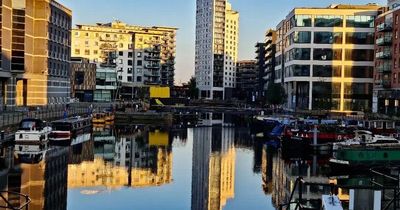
column 83, row 79
column 217, row 36
column 326, row 57
column 142, row 56
column 35, row 53
column 270, row 50
column 247, row 80
column 260, row 65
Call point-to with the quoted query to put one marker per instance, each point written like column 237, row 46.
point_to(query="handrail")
column 10, row 206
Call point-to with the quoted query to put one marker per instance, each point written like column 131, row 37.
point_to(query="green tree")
column 193, row 91
column 275, row 94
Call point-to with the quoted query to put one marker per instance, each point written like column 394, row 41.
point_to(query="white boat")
column 363, row 137
column 30, row 153
column 32, row 131
column 331, row 202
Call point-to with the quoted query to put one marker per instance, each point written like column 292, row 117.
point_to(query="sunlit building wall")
column 326, row 57
column 141, row 55
column 217, row 37
column 35, row 52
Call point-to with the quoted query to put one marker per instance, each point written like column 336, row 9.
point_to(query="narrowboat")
column 366, row 149
column 67, row 129
column 32, row 131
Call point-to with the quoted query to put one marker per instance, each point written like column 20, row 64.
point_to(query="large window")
column 357, row 96
column 359, row 55
column 360, row 21
column 297, row 71
column 299, row 54
column 359, row 38
column 328, row 21
column 327, row 71
column 326, row 96
column 328, row 37
column 300, row 37
column 327, row 54
column 300, row 21
column 359, row 71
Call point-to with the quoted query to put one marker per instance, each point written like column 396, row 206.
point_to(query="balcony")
column 384, row 41
column 152, row 58
column 383, row 27
column 386, row 54
column 152, row 66
column 384, row 68
column 385, row 83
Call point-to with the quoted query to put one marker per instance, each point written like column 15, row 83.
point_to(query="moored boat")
column 32, row 131
column 67, row 129
column 366, row 149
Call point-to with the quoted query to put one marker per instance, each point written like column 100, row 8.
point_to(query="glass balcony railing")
column 387, row 54
column 384, row 41
column 385, row 27
column 384, row 68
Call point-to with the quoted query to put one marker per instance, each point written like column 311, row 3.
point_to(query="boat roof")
column 70, row 120
column 331, row 202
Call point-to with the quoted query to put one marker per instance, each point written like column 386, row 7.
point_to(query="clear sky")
column 255, row 17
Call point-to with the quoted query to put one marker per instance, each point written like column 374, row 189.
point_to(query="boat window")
column 379, row 124
column 31, row 124
column 61, row 126
column 389, row 125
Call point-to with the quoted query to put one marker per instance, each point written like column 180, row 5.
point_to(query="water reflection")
column 136, row 159
column 213, row 168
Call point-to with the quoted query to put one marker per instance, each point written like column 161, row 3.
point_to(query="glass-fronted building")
column 325, row 57
column 106, row 85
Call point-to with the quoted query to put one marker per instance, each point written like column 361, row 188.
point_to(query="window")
column 77, row 51
column 327, row 71
column 87, row 52
column 360, row 21
column 359, row 71
column 359, row 55
column 130, row 71
column 130, row 62
column 139, row 54
column 328, row 21
column 139, row 70
column 359, row 38
column 300, row 21
column 121, row 53
column 121, row 45
column 139, row 79
column 328, row 38
column 121, row 61
column 297, row 71
column 130, row 54
column 119, row 77
column 129, row 78
column 298, row 54
column 139, row 63
column 300, row 37
column 327, row 54
column 95, row 52
column 79, row 78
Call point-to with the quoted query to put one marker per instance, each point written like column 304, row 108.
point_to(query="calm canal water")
column 162, row 168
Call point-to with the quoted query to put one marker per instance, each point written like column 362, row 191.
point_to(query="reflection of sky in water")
column 248, row 193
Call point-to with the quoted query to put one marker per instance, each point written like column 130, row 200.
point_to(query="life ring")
column 339, row 137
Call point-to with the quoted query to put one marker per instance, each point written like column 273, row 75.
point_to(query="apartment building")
column 217, row 36
column 247, row 80
column 260, row 66
column 142, row 56
column 35, row 52
column 325, row 57
column 269, row 65
column 83, row 79
column 387, row 67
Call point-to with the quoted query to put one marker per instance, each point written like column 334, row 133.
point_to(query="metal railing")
column 8, row 205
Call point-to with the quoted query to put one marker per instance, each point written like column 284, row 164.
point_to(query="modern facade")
column 142, row 56
column 217, row 37
column 35, row 53
column 326, row 57
column 247, row 80
column 260, row 65
column 83, row 79
column 270, row 50
column 387, row 63
column 106, row 85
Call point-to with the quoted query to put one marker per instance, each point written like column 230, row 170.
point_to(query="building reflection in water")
column 42, row 177
column 139, row 158
column 213, row 168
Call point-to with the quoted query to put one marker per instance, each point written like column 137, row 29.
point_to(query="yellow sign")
column 159, row 92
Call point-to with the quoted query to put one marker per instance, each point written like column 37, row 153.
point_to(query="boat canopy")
column 28, row 124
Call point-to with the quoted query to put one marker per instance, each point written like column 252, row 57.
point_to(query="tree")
column 275, row 94
column 193, row 91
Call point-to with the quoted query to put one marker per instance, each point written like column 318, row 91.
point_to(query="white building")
column 217, row 36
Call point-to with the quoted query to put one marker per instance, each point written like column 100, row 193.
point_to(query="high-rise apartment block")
column 325, row 57
column 217, row 36
column 142, row 56
column 35, row 52
column 386, row 97
column 270, row 50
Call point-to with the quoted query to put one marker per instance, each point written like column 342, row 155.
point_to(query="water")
column 145, row 168
column 163, row 168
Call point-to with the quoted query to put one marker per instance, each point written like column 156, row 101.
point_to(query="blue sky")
column 255, row 17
